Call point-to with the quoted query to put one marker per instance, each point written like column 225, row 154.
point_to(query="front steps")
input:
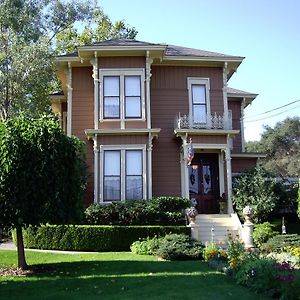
column 222, row 225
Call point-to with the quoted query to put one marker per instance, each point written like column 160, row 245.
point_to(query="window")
column 112, row 175
column 122, row 94
column 111, row 96
column 199, row 100
column 123, row 174
column 134, row 175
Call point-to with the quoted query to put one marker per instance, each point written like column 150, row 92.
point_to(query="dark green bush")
column 158, row 211
column 92, row 238
column 279, row 242
column 263, row 232
column 267, row 277
column 179, row 247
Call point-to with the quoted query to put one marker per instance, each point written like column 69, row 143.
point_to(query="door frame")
column 207, row 148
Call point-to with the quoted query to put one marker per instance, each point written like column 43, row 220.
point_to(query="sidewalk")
column 11, row 246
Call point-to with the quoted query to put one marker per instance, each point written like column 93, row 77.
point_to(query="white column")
column 226, row 119
column 242, row 125
column 221, row 173
column 184, row 169
column 69, row 99
column 149, row 167
column 96, row 170
column 229, row 179
column 94, row 62
column 149, row 61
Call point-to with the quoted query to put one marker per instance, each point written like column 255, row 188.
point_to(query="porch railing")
column 214, row 121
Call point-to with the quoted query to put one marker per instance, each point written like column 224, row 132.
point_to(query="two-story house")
column 157, row 120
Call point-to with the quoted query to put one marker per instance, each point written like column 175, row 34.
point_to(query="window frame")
column 198, row 81
column 122, row 73
column 122, row 149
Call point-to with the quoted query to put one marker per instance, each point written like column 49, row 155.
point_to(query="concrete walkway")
column 11, row 246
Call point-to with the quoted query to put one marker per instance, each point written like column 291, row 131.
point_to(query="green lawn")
column 117, row 276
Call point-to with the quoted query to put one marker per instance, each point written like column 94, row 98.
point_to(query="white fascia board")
column 179, row 132
column 206, row 58
column 67, row 59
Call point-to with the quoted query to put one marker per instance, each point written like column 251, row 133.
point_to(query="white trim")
column 221, row 173
column 229, row 177
column 210, row 146
column 69, row 99
column 122, row 73
column 243, row 104
column 149, row 61
column 96, row 170
column 94, row 62
column 225, row 98
column 122, row 149
column 206, row 83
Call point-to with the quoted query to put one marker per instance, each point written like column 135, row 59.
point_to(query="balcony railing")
column 216, row 122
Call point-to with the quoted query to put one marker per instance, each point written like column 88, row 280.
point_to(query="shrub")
column 93, row 238
column 255, row 189
column 267, row 276
column 179, row 247
column 263, row 232
column 298, row 210
column 279, row 242
column 148, row 246
column 158, row 211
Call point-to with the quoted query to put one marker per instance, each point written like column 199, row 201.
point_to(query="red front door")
column 204, row 182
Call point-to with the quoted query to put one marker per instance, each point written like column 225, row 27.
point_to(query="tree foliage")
column 255, row 189
column 99, row 28
column 282, row 146
column 31, row 33
column 42, row 173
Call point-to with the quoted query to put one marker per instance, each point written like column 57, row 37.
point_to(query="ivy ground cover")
column 115, row 276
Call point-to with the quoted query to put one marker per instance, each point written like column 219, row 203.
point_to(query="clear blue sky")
column 266, row 32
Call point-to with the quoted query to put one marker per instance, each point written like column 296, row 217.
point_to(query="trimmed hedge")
column 93, row 238
column 164, row 210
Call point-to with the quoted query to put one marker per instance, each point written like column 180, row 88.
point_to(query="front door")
column 204, row 182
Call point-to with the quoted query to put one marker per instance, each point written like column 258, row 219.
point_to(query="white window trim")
column 122, row 72
column 202, row 81
column 122, row 148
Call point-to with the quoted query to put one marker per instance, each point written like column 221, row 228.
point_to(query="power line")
column 276, row 108
column 272, row 115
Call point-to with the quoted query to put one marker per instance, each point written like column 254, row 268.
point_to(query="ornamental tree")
column 42, row 175
column 255, row 189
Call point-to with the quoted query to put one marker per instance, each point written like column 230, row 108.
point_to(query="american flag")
column 190, row 153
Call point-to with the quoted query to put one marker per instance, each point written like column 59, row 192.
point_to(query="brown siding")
column 122, row 140
column 235, row 106
column 110, row 125
column 83, row 118
column 240, row 165
column 169, row 96
column 121, row 62
column 135, row 124
column 209, row 139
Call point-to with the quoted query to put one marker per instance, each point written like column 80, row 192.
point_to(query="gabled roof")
column 124, row 42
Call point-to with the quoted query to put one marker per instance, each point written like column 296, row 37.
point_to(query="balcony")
column 214, row 122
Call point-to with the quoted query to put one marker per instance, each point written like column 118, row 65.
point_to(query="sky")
column 265, row 32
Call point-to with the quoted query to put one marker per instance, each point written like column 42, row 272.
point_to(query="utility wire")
column 272, row 115
column 276, row 108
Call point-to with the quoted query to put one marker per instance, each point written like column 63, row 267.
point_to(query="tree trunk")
column 20, row 247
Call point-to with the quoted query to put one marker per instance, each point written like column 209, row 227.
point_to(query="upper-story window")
column 199, row 102
column 122, row 94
